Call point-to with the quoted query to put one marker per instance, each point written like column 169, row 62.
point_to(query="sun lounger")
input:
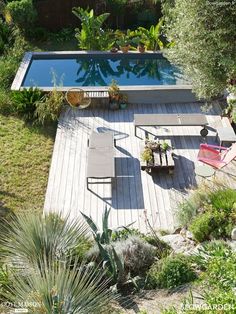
column 171, row 120
column 101, row 157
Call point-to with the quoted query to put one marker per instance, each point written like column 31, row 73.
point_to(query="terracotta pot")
column 141, row 48
column 125, row 49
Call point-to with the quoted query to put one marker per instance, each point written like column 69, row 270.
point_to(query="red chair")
column 216, row 156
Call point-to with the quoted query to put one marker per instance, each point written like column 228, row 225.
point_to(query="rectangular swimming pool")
column 95, row 71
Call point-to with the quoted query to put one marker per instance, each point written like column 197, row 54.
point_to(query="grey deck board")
column 136, row 196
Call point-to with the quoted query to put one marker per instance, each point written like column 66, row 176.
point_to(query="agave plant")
column 111, row 261
column 104, row 237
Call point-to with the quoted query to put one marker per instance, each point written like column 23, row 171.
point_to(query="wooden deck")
column 136, row 195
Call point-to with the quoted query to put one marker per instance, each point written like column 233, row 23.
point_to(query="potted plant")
column 123, row 101
column 124, row 44
column 165, row 146
column 114, row 95
column 114, row 49
column 141, row 46
column 153, row 145
column 147, row 156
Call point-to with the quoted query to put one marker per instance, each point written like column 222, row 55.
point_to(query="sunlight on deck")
column 136, row 195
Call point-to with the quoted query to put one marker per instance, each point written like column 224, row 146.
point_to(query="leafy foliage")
column 10, row 61
column 5, row 36
column 49, row 108
column 152, row 37
column 22, row 13
column 217, row 218
column 209, row 212
column 6, row 105
column 203, row 32
column 92, row 36
column 170, row 272
column 25, row 101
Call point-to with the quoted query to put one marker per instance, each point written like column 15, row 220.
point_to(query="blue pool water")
column 99, row 70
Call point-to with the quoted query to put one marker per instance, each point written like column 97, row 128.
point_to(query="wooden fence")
column 56, row 14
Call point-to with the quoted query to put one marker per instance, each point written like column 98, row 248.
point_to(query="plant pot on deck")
column 125, row 48
column 113, row 105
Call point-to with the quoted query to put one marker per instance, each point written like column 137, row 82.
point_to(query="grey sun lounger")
column 101, row 157
column 171, row 120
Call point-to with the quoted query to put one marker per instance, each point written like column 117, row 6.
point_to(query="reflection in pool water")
column 87, row 70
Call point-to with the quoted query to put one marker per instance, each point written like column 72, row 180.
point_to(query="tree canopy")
column 204, row 32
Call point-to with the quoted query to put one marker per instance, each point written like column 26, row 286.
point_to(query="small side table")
column 226, row 135
column 204, row 171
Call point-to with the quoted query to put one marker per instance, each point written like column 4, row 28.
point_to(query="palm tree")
column 47, row 277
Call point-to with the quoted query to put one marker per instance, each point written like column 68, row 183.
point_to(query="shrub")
column 170, row 272
column 49, row 108
column 9, row 63
column 25, row 101
column 92, row 36
column 124, row 233
column 212, row 224
column 223, row 199
column 6, row 106
column 162, row 248
column 209, row 250
column 5, row 36
column 137, row 254
column 81, row 249
column 22, row 13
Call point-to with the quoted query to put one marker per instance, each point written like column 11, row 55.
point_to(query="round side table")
column 204, row 171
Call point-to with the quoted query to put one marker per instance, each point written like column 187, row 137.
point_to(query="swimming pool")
column 96, row 70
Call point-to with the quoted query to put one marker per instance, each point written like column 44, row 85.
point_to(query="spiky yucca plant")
column 47, row 279
column 29, row 238
column 55, row 288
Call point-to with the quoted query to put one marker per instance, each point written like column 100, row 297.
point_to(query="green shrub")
column 137, row 254
column 124, row 233
column 170, row 272
column 209, row 250
column 162, row 248
column 213, row 224
column 5, row 36
column 223, row 199
column 22, row 13
column 91, row 36
column 9, row 63
column 49, row 108
column 6, row 106
column 81, row 249
column 25, row 101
